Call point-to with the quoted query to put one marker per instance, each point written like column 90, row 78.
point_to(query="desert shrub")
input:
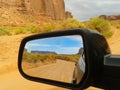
column 72, row 23
column 36, row 57
column 47, row 27
column 108, row 34
column 101, row 25
column 57, row 26
column 27, row 57
column 33, row 58
column 73, row 58
column 32, row 28
column 98, row 24
column 19, row 30
column 4, row 31
column 50, row 57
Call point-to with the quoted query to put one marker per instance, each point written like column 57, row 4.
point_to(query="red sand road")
column 60, row 71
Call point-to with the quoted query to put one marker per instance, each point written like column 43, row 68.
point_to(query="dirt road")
column 14, row 81
column 60, row 71
column 114, row 41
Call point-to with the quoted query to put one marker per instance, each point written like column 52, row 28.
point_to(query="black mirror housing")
column 94, row 45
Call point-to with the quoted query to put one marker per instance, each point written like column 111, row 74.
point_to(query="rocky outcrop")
column 68, row 14
column 81, row 50
column 112, row 17
column 44, row 52
column 54, row 9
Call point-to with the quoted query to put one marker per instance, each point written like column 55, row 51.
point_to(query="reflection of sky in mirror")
column 60, row 45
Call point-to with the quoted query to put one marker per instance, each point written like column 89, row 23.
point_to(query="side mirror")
column 59, row 58
column 54, row 58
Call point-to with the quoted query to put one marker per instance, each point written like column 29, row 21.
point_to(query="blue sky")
column 85, row 9
column 60, row 45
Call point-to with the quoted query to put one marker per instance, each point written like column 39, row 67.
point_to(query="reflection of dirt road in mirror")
column 60, row 71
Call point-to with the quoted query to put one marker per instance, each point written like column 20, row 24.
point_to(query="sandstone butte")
column 54, row 9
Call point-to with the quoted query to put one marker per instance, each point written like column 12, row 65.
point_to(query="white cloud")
column 37, row 45
column 31, row 45
column 84, row 9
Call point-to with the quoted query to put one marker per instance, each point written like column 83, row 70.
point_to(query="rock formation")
column 112, row 17
column 68, row 14
column 44, row 52
column 81, row 50
column 54, row 9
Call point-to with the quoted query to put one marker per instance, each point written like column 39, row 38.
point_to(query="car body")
column 79, row 69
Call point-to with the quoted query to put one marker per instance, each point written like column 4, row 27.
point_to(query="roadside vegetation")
column 100, row 25
column 45, row 58
column 97, row 24
column 4, row 31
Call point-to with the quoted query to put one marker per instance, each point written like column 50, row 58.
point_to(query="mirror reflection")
column 58, row 58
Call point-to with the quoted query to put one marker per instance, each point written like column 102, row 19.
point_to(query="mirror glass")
column 58, row 58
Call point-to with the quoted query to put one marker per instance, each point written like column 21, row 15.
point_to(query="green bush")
column 98, row 24
column 35, row 57
column 73, row 58
column 72, row 23
column 4, row 31
column 32, row 28
column 101, row 25
column 19, row 30
column 47, row 27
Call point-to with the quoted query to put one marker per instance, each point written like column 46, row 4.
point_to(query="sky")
column 60, row 45
column 85, row 9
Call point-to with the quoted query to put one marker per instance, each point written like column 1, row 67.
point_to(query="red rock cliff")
column 54, row 9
